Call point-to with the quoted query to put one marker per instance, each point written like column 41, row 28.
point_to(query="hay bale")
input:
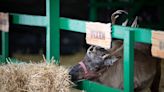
column 30, row 77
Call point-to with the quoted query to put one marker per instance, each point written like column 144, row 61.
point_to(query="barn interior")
column 28, row 43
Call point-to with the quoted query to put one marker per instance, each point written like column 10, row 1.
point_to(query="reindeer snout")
column 74, row 72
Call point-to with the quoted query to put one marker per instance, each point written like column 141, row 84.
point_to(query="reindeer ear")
column 110, row 61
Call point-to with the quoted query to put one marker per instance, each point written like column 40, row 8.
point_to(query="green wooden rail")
column 50, row 21
column 129, row 35
column 53, row 23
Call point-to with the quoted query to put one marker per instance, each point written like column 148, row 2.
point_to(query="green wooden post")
column 4, row 46
column 129, row 61
column 93, row 11
column 52, row 32
column 90, row 86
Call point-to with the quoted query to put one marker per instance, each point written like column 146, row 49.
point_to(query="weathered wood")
column 158, row 44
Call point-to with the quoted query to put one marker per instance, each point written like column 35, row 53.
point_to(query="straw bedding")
column 30, row 77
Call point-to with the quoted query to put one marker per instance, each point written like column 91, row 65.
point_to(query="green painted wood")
column 72, row 25
column 129, row 35
column 93, row 11
column 1, row 59
column 129, row 61
column 31, row 20
column 52, row 30
column 5, row 50
column 90, row 86
column 53, row 23
column 141, row 34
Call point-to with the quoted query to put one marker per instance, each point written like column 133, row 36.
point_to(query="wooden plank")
column 157, row 52
column 141, row 34
column 90, row 86
column 4, row 22
column 158, row 44
column 98, row 34
column 30, row 20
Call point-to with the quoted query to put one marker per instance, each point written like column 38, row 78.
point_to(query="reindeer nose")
column 73, row 77
column 74, row 72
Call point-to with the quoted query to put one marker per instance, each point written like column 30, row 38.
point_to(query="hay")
column 30, row 77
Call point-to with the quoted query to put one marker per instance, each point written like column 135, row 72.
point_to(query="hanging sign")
column 4, row 22
column 158, row 44
column 98, row 34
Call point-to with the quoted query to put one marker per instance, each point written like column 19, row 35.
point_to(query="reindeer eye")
column 89, row 60
column 102, row 49
column 103, row 54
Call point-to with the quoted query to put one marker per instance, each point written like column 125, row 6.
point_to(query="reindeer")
column 106, row 65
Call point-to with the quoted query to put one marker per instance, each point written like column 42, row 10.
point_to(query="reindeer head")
column 97, row 58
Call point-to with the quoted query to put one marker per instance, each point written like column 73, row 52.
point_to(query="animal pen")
column 53, row 23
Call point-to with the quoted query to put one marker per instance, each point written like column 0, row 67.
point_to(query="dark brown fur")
column 146, row 68
column 146, row 71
